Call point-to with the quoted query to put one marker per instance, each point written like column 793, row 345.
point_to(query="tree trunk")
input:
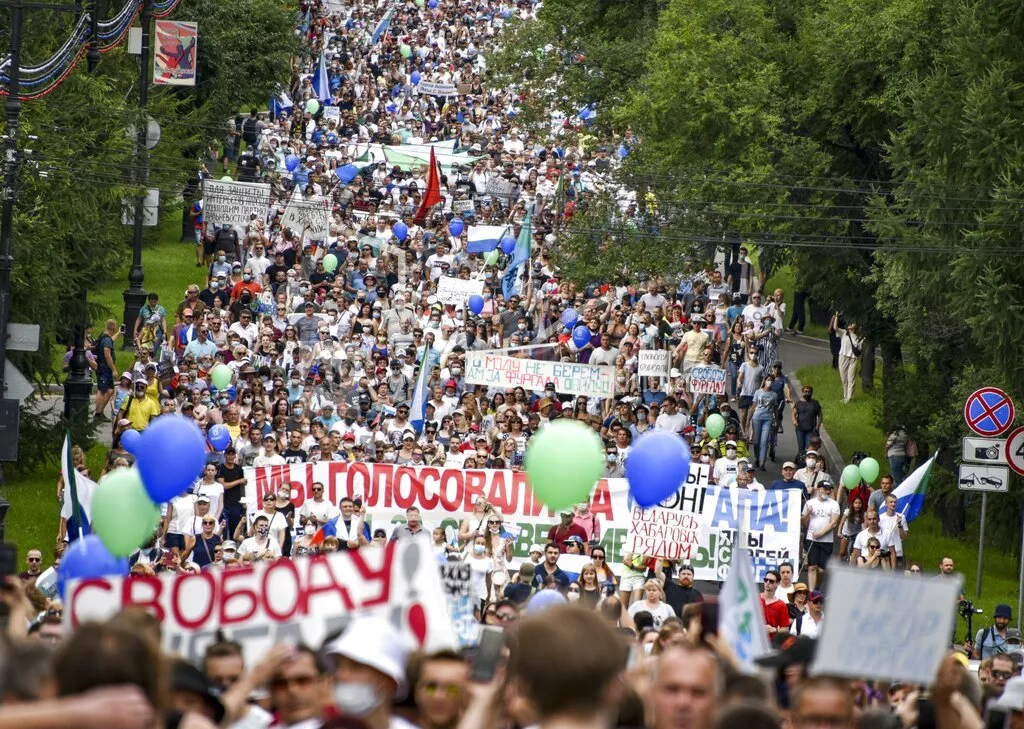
column 867, row 366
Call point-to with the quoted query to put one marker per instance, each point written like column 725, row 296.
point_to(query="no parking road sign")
column 989, row 412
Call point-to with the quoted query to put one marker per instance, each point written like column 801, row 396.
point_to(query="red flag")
column 433, row 195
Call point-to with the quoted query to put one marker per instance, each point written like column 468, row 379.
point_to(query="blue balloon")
column 543, row 600
column 508, row 245
column 432, row 4
column 569, row 318
column 476, row 304
column 291, row 162
column 172, row 455
column 87, row 558
column 415, row 78
column 580, row 337
column 401, row 231
column 506, row 13
column 219, row 437
column 130, row 440
column 456, row 227
column 347, row 173
column 658, row 464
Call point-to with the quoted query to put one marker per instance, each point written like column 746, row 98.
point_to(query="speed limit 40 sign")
column 1015, row 450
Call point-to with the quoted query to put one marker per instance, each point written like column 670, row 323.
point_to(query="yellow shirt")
column 139, row 411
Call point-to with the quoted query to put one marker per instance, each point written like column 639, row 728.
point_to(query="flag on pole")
column 419, row 395
column 382, row 26
column 321, row 83
column 484, row 238
column 280, row 104
column 433, row 194
column 76, row 506
column 911, row 492
column 521, row 256
column 740, row 617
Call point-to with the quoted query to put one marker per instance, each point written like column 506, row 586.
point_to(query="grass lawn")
column 783, row 279
column 169, row 267
column 852, row 428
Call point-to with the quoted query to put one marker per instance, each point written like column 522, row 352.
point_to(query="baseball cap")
column 230, row 546
column 789, row 464
column 729, row 443
column 536, row 548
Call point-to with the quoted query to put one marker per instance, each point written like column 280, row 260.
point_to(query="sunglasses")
column 1002, row 674
column 35, row 559
column 770, row 580
column 208, row 521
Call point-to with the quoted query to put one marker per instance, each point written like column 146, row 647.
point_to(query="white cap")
column 536, row 548
column 374, row 642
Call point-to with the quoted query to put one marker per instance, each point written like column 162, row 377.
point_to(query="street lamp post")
column 135, row 295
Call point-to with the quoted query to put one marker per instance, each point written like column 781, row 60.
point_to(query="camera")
column 988, row 453
column 967, row 609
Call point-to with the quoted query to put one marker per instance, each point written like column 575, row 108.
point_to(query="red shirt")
column 776, row 614
column 557, row 535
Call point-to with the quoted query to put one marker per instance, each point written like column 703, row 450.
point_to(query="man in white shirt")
column 671, row 419
column 755, row 311
column 727, row 466
column 317, row 510
column 821, row 515
column 871, row 529
column 244, row 328
column 895, row 526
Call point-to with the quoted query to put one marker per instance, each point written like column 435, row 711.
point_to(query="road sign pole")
column 981, row 543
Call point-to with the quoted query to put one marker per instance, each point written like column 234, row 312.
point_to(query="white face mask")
column 573, row 596
column 494, row 529
column 355, row 699
column 812, row 462
column 309, row 530
column 705, row 459
column 479, row 548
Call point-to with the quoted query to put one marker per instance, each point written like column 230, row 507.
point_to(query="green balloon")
column 851, row 478
column 563, row 462
column 715, row 425
column 405, row 50
column 491, row 258
column 312, row 106
column 226, row 178
column 869, row 469
column 330, row 262
column 420, row 3
column 220, row 376
column 123, row 516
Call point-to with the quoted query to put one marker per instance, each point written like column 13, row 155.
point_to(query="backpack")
column 249, row 131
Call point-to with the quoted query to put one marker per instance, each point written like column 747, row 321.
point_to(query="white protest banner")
column 455, row 582
column 312, row 213
column 670, row 533
column 302, row 600
column 436, row 89
column 456, row 290
column 445, row 496
column 653, row 363
column 500, row 189
column 462, row 206
column 570, row 378
column 332, row 114
column 917, row 614
column 234, row 203
column 707, row 380
column 741, row 617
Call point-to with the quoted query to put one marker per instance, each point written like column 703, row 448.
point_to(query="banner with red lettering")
column 445, row 496
column 302, row 600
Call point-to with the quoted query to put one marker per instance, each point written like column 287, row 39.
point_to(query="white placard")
column 653, row 363
column 436, row 89
column 234, row 203
column 707, row 380
column 456, row 291
column 313, row 211
column 332, row 114
column 570, row 378
column 885, row 626
column 499, row 189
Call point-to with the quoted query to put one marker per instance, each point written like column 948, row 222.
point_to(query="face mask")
column 223, row 401
column 522, row 327
column 309, row 530
column 389, row 457
column 305, row 428
column 247, row 401
column 355, row 699
column 573, row 596
column 214, row 285
column 807, row 396
column 456, row 371
column 221, row 259
column 298, row 411
column 812, row 462
column 494, row 529
column 705, row 459
column 479, row 549
column 435, row 324
column 263, row 531
column 730, row 452
column 612, row 457
column 247, row 277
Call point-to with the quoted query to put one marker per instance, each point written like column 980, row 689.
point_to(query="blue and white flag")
column 382, row 26
column 280, row 104
column 484, row 238
column 321, row 82
column 520, row 257
column 588, row 113
column 912, row 490
column 419, row 396
column 740, row 617
column 76, row 506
